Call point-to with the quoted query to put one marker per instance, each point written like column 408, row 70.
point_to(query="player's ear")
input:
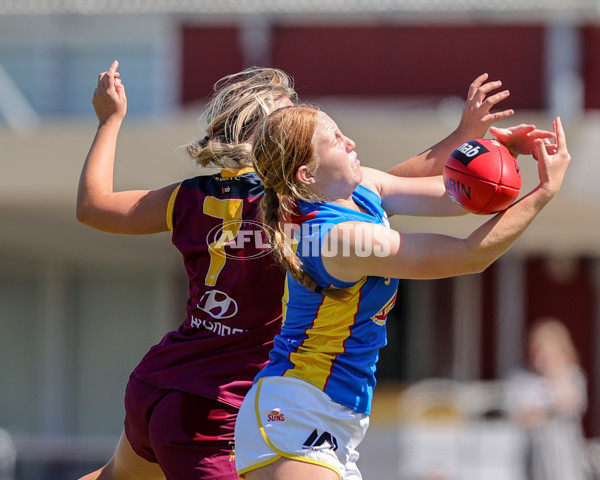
column 305, row 175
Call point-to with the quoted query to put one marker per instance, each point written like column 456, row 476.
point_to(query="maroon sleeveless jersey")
column 235, row 290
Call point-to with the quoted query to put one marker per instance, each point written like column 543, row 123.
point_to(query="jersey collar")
column 231, row 172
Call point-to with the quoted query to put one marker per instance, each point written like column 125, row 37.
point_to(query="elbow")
column 478, row 265
column 479, row 256
column 81, row 215
column 82, row 206
column 84, row 213
column 87, row 208
column 482, row 267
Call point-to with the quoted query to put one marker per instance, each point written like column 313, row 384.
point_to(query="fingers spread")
column 477, row 82
column 496, row 98
column 494, row 117
column 488, row 87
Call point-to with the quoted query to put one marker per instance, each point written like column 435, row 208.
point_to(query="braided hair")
column 282, row 143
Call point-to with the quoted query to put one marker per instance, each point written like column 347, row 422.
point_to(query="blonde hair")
column 238, row 103
column 282, row 143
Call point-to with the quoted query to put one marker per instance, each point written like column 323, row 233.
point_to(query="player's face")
column 546, row 355
column 338, row 172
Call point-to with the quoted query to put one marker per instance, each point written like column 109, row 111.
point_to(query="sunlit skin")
column 334, row 173
column 337, row 172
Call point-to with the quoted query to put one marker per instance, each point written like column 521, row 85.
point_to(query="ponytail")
column 272, row 209
column 214, row 153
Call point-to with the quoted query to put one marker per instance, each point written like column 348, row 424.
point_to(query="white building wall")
column 53, row 59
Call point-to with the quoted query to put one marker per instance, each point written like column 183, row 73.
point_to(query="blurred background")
column 78, row 308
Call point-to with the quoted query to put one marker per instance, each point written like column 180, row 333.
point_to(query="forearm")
column 429, row 255
column 431, row 161
column 497, row 235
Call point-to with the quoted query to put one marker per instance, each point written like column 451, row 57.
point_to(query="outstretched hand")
column 553, row 163
column 522, row 139
column 109, row 99
column 477, row 116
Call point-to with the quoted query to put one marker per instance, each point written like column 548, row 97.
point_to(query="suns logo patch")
column 381, row 316
column 276, row 416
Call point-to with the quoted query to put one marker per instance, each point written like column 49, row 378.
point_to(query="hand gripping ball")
column 482, row 176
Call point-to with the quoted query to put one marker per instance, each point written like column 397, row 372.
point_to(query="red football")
column 482, row 176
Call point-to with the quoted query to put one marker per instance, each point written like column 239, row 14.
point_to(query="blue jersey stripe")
column 331, row 344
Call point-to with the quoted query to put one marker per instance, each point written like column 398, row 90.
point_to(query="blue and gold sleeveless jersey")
column 331, row 344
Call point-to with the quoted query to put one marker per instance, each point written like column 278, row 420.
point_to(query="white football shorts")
column 288, row 417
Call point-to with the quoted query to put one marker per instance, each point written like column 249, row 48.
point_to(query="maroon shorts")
column 189, row 436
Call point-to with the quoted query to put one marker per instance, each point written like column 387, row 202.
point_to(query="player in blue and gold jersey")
column 308, row 410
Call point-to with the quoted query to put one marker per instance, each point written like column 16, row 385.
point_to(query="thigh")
column 287, row 469
column 192, row 437
column 127, row 465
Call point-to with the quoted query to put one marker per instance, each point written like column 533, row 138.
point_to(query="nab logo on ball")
column 482, row 176
column 468, row 151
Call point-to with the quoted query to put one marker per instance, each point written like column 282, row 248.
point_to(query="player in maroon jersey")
column 182, row 399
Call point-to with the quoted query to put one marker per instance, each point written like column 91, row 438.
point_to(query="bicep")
column 131, row 212
column 420, row 196
column 365, row 249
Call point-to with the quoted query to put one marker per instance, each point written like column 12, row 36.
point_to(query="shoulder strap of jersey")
column 170, row 207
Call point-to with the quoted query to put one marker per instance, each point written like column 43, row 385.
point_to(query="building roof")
column 581, row 9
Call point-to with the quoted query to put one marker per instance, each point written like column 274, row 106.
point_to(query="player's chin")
column 359, row 175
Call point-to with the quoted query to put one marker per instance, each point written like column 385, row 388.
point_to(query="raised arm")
column 475, row 120
column 427, row 195
column 426, row 256
column 418, row 196
column 132, row 212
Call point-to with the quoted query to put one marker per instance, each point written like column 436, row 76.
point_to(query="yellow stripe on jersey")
column 235, row 172
column 170, row 207
column 285, row 298
column 286, row 290
column 314, row 359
